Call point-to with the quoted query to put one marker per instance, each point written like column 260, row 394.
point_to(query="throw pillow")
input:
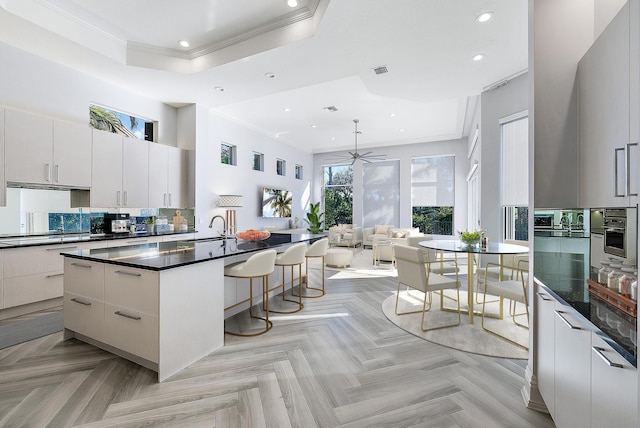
column 380, row 230
column 399, row 234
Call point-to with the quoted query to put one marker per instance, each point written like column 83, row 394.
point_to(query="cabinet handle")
column 629, row 166
column 47, row 172
column 543, row 297
column 81, row 302
column 57, row 173
column 125, row 198
column 615, row 172
column 131, row 317
column 165, row 199
column 571, row 326
column 599, row 353
column 62, row 248
column 169, row 199
column 53, row 275
column 118, row 197
column 81, row 265
column 122, row 272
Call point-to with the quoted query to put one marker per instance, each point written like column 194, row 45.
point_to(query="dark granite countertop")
column 560, row 234
column 17, row 241
column 168, row 255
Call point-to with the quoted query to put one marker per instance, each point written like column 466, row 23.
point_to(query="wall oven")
column 615, row 235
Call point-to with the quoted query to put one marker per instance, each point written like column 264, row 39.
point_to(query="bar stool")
column 292, row 256
column 315, row 250
column 258, row 265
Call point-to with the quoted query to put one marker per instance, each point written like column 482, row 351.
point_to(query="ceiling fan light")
column 292, row 3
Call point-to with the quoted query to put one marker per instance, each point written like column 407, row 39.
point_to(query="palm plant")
column 314, row 218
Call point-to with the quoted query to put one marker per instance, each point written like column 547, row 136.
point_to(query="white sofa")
column 387, row 231
column 394, row 236
column 345, row 235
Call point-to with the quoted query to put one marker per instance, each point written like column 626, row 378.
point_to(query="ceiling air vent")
column 381, row 70
column 330, row 108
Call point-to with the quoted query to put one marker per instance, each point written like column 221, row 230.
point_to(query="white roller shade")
column 515, row 163
column 381, row 192
column 433, row 181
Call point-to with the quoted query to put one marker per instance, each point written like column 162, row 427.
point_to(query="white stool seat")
column 292, row 256
column 338, row 257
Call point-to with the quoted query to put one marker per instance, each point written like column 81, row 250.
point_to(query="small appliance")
column 543, row 221
column 116, row 223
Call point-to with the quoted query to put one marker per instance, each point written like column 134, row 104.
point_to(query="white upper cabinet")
column 608, row 158
column 71, row 154
column 167, row 177
column 135, row 172
column 39, row 150
column 28, row 148
column 120, row 171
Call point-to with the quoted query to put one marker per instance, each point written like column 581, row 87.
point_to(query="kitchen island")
column 160, row 305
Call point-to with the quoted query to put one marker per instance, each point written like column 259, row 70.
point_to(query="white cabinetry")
column 33, row 274
column 120, row 171
column 608, row 159
column 168, row 186
column 584, row 382
column 39, row 150
column 572, row 370
column 614, row 389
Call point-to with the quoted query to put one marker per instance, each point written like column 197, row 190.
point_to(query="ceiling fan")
column 355, row 155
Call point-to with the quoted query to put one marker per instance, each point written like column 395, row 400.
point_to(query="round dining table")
column 456, row 246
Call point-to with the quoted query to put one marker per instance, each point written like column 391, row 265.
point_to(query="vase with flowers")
column 471, row 238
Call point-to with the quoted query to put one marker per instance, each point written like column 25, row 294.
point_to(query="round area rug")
column 464, row 337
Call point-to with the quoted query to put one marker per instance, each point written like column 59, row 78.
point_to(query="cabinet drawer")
column 84, row 278
column 84, row 315
column 131, row 288
column 32, row 288
column 32, row 260
column 132, row 331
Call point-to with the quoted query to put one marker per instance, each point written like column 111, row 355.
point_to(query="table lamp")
column 230, row 201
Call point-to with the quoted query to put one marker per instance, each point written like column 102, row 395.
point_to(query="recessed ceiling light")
column 478, row 57
column 292, row 3
column 183, row 43
column 392, row 115
column 219, row 88
column 286, row 109
column 269, row 75
column 401, row 129
column 484, row 17
column 314, row 126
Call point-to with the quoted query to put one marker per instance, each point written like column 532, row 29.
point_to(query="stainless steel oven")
column 615, row 232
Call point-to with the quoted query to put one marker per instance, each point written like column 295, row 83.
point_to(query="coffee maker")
column 116, row 223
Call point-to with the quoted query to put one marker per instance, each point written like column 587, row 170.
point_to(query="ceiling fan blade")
column 365, row 154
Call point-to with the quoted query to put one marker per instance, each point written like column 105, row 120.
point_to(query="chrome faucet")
column 224, row 224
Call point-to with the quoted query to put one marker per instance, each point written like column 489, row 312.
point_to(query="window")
column 281, row 167
column 514, row 132
column 120, row 123
column 227, row 154
column 433, row 194
column 338, row 195
column 258, row 161
column 299, row 172
column 381, row 192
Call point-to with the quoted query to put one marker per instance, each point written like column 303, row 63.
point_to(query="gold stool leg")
column 265, row 302
column 321, row 290
column 284, row 299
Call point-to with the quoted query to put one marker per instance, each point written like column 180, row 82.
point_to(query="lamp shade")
column 230, row 200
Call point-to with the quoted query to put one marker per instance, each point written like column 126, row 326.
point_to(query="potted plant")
column 149, row 222
column 314, row 218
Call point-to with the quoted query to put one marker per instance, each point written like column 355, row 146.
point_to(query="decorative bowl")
column 470, row 238
column 253, row 235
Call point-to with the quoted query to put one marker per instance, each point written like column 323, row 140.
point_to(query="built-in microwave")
column 543, row 221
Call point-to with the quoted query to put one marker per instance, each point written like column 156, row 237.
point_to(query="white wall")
column 36, row 85
column 497, row 104
column 214, row 178
column 404, row 153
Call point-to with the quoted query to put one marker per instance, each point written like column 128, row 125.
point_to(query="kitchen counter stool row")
column 263, row 264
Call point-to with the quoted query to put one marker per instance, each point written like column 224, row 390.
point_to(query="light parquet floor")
column 337, row 363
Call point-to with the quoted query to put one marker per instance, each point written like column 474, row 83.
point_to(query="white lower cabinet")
column 614, row 391
column 84, row 315
column 572, row 370
column 584, row 382
column 132, row 331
